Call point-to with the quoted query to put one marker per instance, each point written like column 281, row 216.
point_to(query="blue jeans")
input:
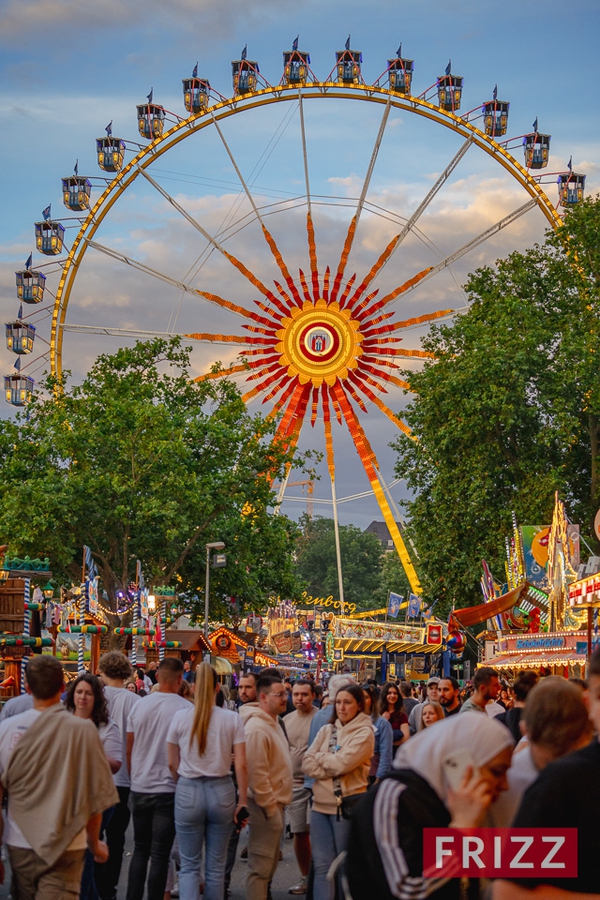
column 204, row 809
column 328, row 838
column 153, row 834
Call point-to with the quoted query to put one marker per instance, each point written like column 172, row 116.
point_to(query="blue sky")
column 68, row 68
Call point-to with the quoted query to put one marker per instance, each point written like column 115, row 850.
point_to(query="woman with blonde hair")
column 200, row 744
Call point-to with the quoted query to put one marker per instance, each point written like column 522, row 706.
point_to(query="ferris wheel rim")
column 255, row 100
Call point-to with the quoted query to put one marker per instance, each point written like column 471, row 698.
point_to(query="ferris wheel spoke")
column 361, row 202
column 371, row 468
column 449, row 260
column 434, row 190
column 256, row 282
column 310, row 230
column 148, row 270
column 266, row 233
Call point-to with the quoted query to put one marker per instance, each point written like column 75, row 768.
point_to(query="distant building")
column 382, row 532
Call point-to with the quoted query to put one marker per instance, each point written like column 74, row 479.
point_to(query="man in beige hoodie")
column 270, row 782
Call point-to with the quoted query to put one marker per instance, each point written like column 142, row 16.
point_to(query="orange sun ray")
column 232, row 370
column 312, row 255
column 315, row 406
column 373, row 271
column 227, row 338
column 305, row 290
column 344, row 259
column 226, row 304
column 282, row 266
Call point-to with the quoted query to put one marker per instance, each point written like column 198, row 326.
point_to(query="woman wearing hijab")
column 385, row 849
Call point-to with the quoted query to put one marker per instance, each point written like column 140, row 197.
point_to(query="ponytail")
column 204, row 701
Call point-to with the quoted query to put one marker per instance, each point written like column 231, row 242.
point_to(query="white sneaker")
column 299, row 888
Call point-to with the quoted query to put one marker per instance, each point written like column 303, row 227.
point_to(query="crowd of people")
column 354, row 772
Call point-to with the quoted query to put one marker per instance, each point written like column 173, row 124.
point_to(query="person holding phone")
column 200, row 744
column 443, row 777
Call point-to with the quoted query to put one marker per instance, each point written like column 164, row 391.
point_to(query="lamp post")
column 216, row 545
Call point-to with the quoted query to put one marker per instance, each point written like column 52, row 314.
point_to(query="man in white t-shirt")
column 55, row 866
column 152, row 787
column 297, row 727
column 115, row 669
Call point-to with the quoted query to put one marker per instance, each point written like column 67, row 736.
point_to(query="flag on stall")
column 394, row 602
column 414, row 606
column 90, row 565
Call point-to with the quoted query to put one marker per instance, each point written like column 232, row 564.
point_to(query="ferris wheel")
column 239, row 217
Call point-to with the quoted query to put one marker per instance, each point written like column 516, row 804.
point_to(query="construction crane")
column 308, row 487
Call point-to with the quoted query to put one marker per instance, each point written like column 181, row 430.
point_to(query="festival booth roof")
column 358, row 638
column 532, row 651
column 192, row 639
column 231, row 646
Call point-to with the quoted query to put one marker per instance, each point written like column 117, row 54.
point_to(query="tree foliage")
column 361, row 554
column 508, row 411
column 139, row 462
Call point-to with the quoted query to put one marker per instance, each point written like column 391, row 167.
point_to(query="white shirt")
column 111, row 740
column 11, row 731
column 119, row 702
column 521, row 774
column 225, row 729
column 149, row 720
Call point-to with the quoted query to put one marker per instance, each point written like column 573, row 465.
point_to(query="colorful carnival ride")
column 543, row 616
column 320, row 346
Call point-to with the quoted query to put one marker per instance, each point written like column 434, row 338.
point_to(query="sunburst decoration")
column 323, row 342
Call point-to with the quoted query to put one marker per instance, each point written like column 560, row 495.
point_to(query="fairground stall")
column 317, row 633
column 535, row 622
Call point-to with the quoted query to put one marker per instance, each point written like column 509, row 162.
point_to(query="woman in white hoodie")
column 338, row 760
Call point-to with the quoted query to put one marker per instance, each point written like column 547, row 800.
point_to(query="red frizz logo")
column 500, row 852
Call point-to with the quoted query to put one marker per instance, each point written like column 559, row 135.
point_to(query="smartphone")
column 455, row 766
column 240, row 818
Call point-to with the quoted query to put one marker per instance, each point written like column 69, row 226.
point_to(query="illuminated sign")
column 539, row 643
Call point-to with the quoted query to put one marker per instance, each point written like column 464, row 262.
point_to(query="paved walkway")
column 287, row 874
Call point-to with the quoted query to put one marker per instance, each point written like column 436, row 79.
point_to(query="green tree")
column 508, row 411
column 361, row 554
column 139, row 462
column 393, row 578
